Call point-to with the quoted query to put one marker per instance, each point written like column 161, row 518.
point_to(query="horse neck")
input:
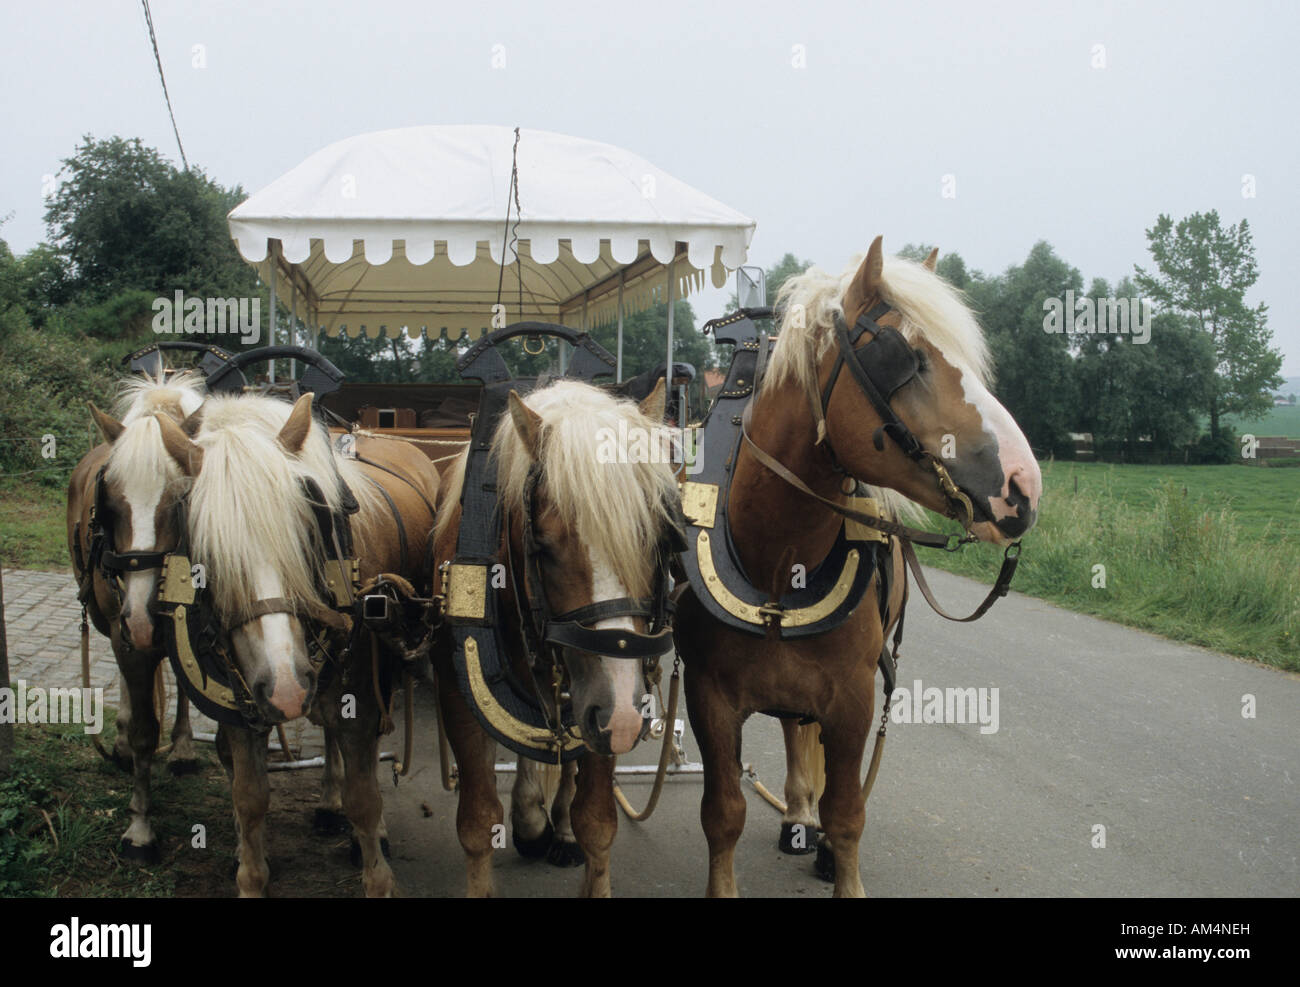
column 762, row 504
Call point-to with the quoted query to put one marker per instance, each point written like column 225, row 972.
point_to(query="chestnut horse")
column 251, row 523
column 599, row 522
column 116, row 560
column 821, row 438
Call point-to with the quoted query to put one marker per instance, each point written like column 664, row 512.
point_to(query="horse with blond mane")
column 262, row 476
column 595, row 525
column 122, row 520
column 880, row 376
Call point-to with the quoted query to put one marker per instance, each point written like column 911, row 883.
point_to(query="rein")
column 880, row 368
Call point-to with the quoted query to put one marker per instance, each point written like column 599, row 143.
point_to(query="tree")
column 123, row 218
column 1140, row 400
column 1202, row 272
column 1035, row 374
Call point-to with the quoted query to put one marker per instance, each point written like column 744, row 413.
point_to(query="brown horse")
column 251, row 523
column 821, row 428
column 598, row 522
column 132, row 487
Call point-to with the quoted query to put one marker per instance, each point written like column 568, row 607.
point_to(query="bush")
column 46, row 378
column 1207, row 450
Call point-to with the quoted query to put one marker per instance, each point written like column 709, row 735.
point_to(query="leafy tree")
column 1035, row 373
column 125, row 219
column 1203, row 270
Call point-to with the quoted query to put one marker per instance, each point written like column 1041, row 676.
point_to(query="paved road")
column 1097, row 725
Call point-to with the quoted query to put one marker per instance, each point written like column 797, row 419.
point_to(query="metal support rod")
column 672, row 298
column 689, row 768
column 622, row 274
column 293, row 326
column 270, row 321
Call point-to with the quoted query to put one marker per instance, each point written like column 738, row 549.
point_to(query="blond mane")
column 931, row 309
column 617, row 509
column 248, row 512
column 137, row 461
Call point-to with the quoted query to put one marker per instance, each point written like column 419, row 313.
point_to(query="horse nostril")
column 1015, row 496
column 592, row 724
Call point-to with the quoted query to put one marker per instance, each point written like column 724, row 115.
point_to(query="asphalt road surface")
column 1097, row 726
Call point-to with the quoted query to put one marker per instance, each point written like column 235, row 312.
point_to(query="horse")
column 261, row 471
column 121, row 522
column 812, row 427
column 596, row 528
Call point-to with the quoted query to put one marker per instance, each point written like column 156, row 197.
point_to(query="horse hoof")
column 354, row 850
column 824, row 865
column 146, row 854
column 565, row 854
column 798, row 839
column 538, row 846
column 327, row 822
column 184, row 766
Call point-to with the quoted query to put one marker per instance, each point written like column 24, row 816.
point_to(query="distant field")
column 1276, row 421
column 1264, row 501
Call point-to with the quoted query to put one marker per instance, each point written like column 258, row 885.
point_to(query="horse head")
column 137, row 498
column 590, row 494
column 901, row 372
column 253, row 529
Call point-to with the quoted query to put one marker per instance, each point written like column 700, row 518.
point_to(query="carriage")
column 400, row 232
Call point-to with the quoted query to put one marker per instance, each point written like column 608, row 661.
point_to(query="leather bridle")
column 545, row 631
column 880, row 368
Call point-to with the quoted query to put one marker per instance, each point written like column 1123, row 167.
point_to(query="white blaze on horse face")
column 1017, row 459
column 143, row 492
column 273, row 655
column 624, row 723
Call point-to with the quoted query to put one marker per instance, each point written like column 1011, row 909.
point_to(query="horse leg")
column 358, row 741
column 594, row 816
column 139, row 841
column 564, row 851
column 125, row 656
column 842, row 811
column 722, row 809
column 478, row 811
column 530, row 827
column 329, row 819
column 799, row 823
column 183, row 759
column 250, row 790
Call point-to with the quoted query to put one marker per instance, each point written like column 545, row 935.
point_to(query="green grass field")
column 1204, row 554
column 1276, row 421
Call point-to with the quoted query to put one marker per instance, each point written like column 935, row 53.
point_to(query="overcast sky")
column 891, row 97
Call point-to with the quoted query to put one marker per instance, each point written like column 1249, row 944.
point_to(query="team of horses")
column 241, row 484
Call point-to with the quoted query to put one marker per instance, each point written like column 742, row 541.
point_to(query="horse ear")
column 866, row 283
column 294, row 434
column 188, row 455
column 932, row 260
column 192, row 423
column 528, row 424
column 109, row 427
column 653, row 405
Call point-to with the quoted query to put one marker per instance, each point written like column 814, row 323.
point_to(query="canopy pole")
column 622, row 274
column 314, row 318
column 293, row 327
column 672, row 298
column 270, row 321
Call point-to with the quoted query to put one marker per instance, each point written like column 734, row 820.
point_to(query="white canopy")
column 406, row 229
